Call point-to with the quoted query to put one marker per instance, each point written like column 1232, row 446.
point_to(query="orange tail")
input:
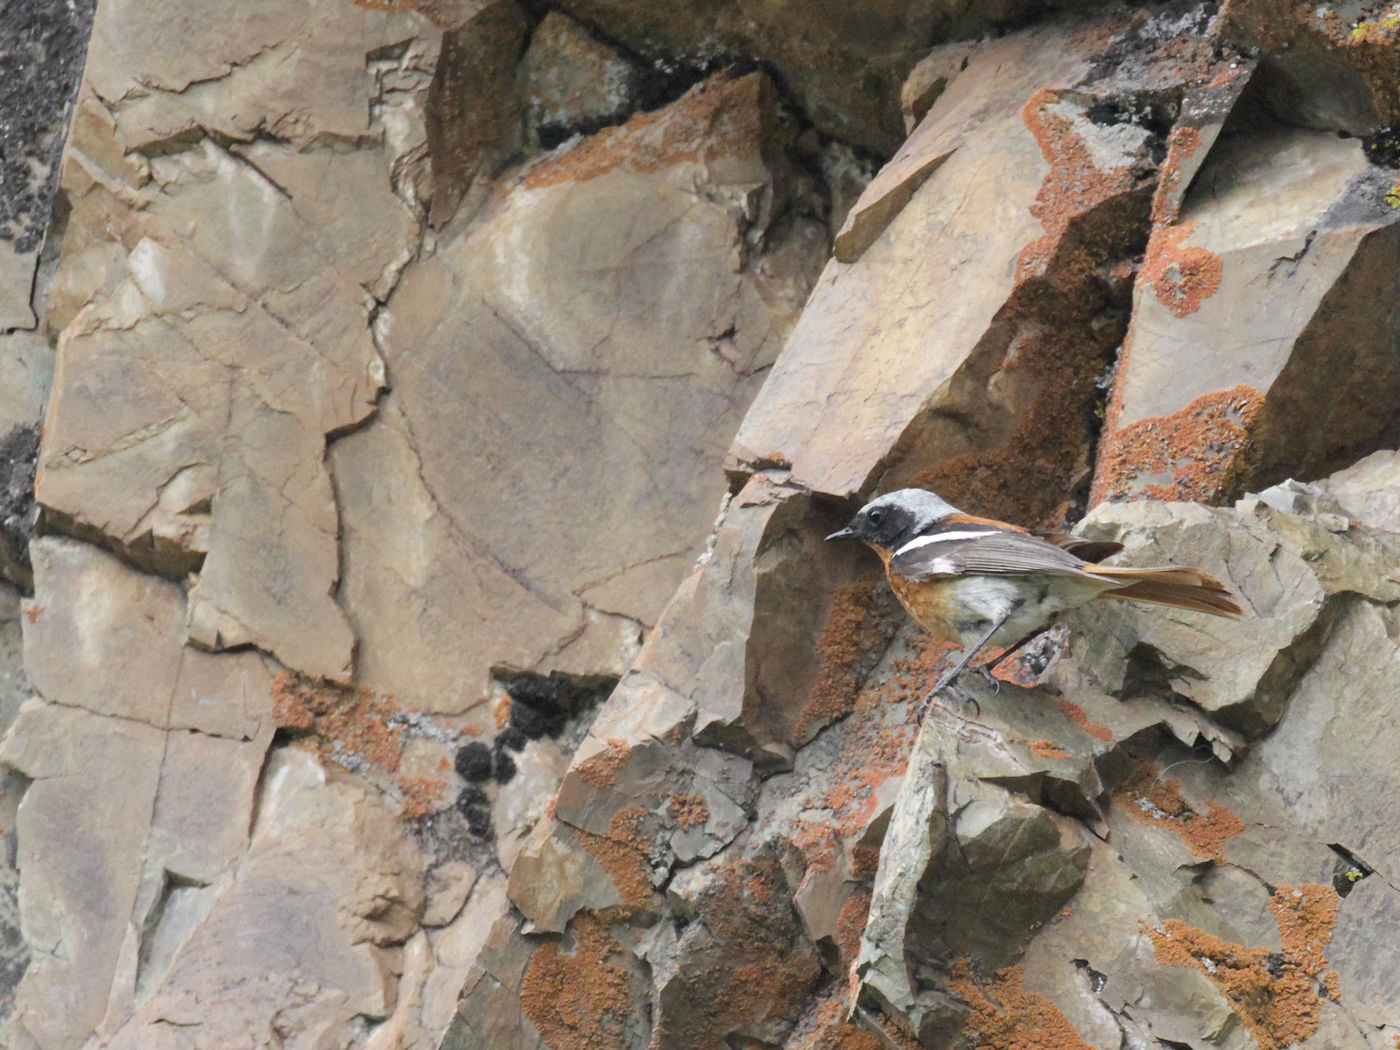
column 1173, row 585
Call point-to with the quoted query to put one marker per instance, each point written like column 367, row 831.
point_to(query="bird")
column 978, row 581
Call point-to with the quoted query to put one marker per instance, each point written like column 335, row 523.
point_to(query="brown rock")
column 845, row 66
column 213, row 265
column 299, row 933
column 474, row 116
column 573, row 81
column 81, row 831
column 1326, row 69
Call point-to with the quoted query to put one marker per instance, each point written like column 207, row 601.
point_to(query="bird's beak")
column 843, row 534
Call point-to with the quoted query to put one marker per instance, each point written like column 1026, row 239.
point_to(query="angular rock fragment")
column 574, row 83
column 1213, row 397
column 474, row 110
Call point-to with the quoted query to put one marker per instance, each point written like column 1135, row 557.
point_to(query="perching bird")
column 977, row 581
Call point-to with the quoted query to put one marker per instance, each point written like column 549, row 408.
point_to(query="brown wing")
column 994, row 552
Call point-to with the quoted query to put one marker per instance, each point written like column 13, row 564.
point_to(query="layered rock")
column 391, row 682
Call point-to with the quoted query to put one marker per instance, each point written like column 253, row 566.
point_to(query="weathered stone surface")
column 1160, row 830
column 1252, row 353
column 573, row 81
column 294, row 936
column 933, row 387
column 81, row 827
column 144, row 757
column 110, row 640
column 244, row 272
column 845, row 66
column 637, row 377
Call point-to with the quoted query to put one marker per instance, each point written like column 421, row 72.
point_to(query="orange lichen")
column 599, row 770
column 850, row 925
column 1074, row 186
column 689, row 811
column 33, row 612
column 759, row 969
column 817, row 843
column 624, row 853
column 421, row 796
column 865, row 860
column 1076, row 713
column 1204, row 452
column 1154, row 800
column 1277, row 994
column 825, row 1027
column 290, row 711
column 1004, row 1016
column 858, row 628
column 717, row 118
column 1182, row 144
column 350, row 726
column 1048, row 749
column 1181, row 277
column 500, row 713
column 581, row 999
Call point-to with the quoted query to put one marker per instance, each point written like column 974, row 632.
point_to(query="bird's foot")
column 949, row 685
column 993, row 682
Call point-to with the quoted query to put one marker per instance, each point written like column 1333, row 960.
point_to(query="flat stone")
column 561, row 353
column 81, row 833
column 100, row 636
column 299, row 932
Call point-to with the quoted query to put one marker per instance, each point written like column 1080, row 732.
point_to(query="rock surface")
column 422, row 633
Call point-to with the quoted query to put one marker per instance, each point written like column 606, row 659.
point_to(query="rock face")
column 422, row 633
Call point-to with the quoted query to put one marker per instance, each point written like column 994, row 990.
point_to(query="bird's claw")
column 949, row 685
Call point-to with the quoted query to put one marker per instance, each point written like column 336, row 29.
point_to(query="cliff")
column 418, row 629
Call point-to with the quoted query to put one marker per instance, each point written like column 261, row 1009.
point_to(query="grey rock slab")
column 101, row 636
column 1369, row 490
column 82, row 829
column 1328, row 762
column 305, row 933
column 1241, row 670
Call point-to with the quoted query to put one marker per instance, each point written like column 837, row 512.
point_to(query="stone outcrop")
column 418, row 433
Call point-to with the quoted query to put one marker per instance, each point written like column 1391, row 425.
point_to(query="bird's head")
column 888, row 522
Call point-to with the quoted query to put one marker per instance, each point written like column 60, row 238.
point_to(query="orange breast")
column 927, row 602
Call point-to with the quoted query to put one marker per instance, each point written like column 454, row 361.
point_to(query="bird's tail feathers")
column 1174, row 585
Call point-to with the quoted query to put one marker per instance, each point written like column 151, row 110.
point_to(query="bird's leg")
column 952, row 676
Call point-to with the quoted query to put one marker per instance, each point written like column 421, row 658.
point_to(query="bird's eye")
column 876, row 516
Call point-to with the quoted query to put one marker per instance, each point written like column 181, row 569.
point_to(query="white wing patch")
column 943, row 537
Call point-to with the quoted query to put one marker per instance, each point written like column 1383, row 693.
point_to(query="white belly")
column 1028, row 602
